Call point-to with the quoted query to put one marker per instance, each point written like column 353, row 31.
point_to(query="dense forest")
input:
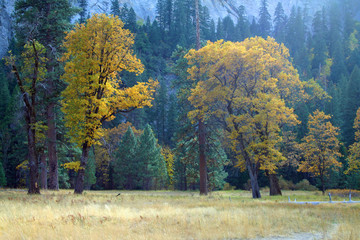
column 271, row 101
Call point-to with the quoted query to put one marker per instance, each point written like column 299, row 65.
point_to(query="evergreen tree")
column 264, row 20
column 115, row 8
column 229, row 29
column 90, row 177
column 352, row 104
column 83, row 4
column 319, row 43
column 279, row 23
column 130, row 22
column 152, row 163
column 126, row 166
column 242, row 29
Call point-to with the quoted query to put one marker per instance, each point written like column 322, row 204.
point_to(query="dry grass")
column 170, row 215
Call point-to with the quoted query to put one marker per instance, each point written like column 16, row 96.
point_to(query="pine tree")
column 352, row 104
column 83, row 4
column 264, row 20
column 319, row 43
column 279, row 23
column 90, row 177
column 242, row 29
column 115, row 8
column 151, row 161
column 126, row 166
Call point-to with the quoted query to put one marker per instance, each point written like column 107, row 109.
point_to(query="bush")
column 286, row 185
column 305, row 185
column 228, row 187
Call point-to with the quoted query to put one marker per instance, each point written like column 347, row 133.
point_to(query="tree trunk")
column 79, row 185
column 203, row 169
column 51, row 135
column 43, row 168
column 33, row 160
column 274, row 185
column 254, row 181
column 322, row 184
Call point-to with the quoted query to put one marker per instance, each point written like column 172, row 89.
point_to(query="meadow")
column 173, row 215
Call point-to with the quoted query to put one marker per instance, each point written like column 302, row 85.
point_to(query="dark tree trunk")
column 203, row 169
column 274, row 185
column 79, row 184
column 53, row 161
column 322, row 184
column 254, row 182
column 43, row 177
column 33, row 158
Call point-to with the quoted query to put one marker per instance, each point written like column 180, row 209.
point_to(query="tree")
column 47, row 21
column 352, row 93
column 264, row 20
column 354, row 149
column 96, row 53
column 115, row 8
column 83, row 12
column 152, row 170
column 28, row 79
column 320, row 147
column 126, row 167
column 279, row 23
column 246, row 86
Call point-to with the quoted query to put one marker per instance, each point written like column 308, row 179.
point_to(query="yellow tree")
column 246, row 87
column 354, row 150
column 28, row 78
column 96, row 52
column 320, row 147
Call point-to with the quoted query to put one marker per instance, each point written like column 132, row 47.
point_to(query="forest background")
column 157, row 147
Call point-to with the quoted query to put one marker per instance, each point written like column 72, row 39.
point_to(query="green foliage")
column 2, row 176
column 126, row 167
column 90, row 177
column 305, row 185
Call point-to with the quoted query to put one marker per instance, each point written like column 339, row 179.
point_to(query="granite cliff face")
column 6, row 8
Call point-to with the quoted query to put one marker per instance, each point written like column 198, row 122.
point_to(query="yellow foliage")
column 169, row 159
column 354, row 150
column 72, row 166
column 320, row 146
column 250, row 85
column 24, row 165
column 96, row 53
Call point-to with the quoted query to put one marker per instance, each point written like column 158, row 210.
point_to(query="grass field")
column 172, row 215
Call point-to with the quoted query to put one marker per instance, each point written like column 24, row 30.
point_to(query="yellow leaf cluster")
column 320, row 146
column 354, row 150
column 250, row 85
column 72, row 166
column 96, row 52
column 169, row 159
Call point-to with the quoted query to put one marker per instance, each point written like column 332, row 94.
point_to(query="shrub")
column 305, row 185
column 228, row 187
column 286, row 185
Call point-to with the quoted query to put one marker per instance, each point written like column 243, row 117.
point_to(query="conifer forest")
column 181, row 101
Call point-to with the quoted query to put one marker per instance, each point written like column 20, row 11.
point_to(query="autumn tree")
column 28, row 79
column 96, row 52
column 247, row 86
column 320, row 147
column 354, row 149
